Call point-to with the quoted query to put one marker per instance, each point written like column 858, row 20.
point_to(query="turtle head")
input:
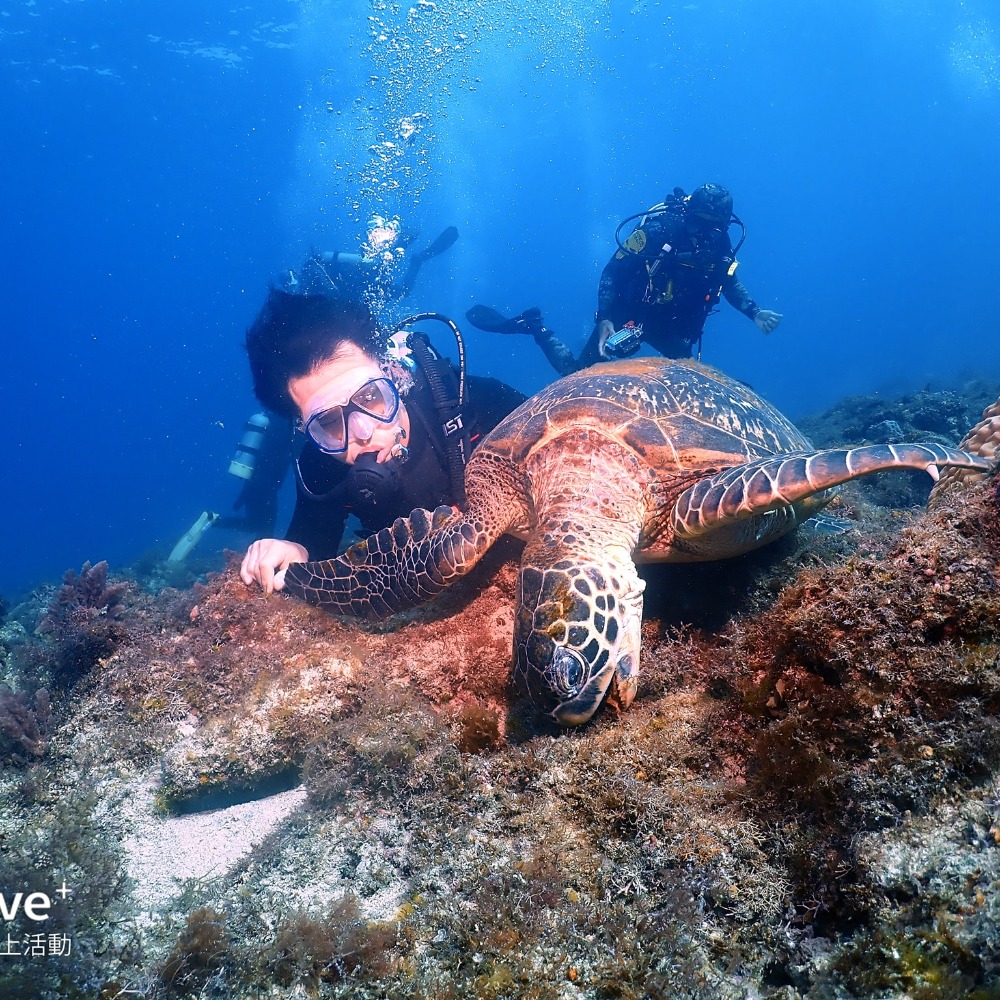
column 577, row 638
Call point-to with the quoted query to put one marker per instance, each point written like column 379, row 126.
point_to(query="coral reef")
column 803, row 802
column 939, row 415
column 23, row 724
column 82, row 622
column 331, row 946
column 983, row 439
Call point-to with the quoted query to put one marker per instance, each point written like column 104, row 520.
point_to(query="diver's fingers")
column 605, row 330
column 248, row 568
column 279, row 579
column 258, row 563
column 268, row 555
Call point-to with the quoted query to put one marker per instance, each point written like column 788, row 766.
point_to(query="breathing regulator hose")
column 437, row 370
column 662, row 209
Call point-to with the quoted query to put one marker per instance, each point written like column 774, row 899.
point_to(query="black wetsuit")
column 670, row 292
column 323, row 503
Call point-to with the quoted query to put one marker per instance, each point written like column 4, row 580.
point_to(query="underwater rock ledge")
column 803, row 802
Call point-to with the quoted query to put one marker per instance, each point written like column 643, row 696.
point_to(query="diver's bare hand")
column 605, row 329
column 767, row 320
column 267, row 555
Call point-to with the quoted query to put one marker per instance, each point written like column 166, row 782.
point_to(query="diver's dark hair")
column 294, row 334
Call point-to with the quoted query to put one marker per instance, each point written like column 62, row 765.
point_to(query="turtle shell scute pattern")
column 671, row 414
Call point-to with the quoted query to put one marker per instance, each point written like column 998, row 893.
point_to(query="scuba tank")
column 244, row 461
column 243, row 465
column 335, row 274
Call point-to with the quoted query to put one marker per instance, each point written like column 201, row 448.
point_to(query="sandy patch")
column 164, row 852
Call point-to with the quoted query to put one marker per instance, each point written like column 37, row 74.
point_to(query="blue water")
column 159, row 166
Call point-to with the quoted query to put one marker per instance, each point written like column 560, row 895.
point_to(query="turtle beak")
column 581, row 707
column 559, row 681
column 616, row 686
column 577, row 637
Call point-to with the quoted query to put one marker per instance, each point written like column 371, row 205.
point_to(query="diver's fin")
column 441, row 243
column 192, row 536
column 488, row 319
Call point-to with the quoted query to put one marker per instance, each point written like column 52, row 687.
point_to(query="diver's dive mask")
column 329, row 429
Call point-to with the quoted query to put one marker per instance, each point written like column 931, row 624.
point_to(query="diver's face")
column 695, row 223
column 333, row 383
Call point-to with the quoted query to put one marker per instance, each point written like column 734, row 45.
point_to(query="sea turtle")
column 650, row 459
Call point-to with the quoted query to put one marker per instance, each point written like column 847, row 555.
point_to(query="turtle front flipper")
column 398, row 567
column 750, row 505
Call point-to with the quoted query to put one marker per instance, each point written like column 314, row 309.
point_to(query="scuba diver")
column 660, row 286
column 383, row 432
column 382, row 274
column 376, row 273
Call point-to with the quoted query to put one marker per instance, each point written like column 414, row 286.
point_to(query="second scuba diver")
column 384, row 273
column 383, row 433
column 660, row 286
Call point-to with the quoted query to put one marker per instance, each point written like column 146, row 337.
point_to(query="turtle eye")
column 568, row 672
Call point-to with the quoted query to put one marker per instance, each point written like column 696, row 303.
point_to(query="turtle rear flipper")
column 778, row 490
column 397, row 568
